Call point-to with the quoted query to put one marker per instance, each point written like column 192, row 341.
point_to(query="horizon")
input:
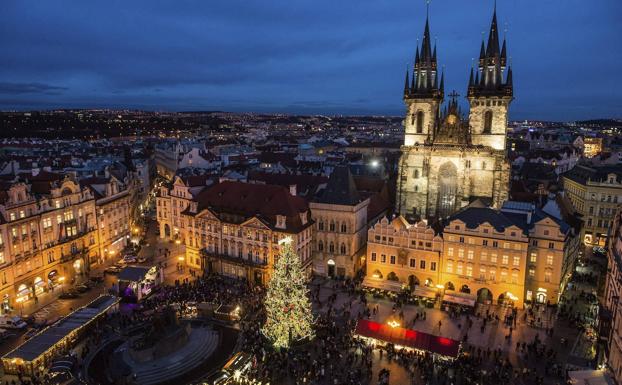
column 321, row 59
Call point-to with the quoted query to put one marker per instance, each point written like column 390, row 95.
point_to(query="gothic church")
column 449, row 160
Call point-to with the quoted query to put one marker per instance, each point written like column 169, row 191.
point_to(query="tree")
column 287, row 303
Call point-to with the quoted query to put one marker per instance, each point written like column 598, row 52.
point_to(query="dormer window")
column 303, row 218
column 280, row 221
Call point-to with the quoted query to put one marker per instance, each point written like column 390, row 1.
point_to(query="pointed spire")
column 417, row 56
column 406, row 83
column 442, row 86
column 434, row 54
column 412, row 83
column 509, row 82
column 482, row 51
column 503, row 55
column 471, row 78
column 492, row 48
column 426, row 49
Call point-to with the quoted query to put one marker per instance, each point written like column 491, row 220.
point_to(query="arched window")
column 320, row 225
column 416, row 174
column 320, row 246
column 487, row 122
column 331, row 247
column 419, row 122
column 343, row 249
column 332, row 226
column 344, row 227
column 392, row 277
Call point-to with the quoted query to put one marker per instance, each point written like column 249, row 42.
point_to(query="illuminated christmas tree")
column 287, row 302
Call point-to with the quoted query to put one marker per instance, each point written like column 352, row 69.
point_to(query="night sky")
column 293, row 56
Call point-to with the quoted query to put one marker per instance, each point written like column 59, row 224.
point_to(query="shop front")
column 23, row 293
column 39, row 286
column 5, row 304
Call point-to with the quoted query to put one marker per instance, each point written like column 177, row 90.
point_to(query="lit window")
column 516, row 261
column 549, row 260
column 533, row 257
column 469, row 271
column 450, row 267
column 470, row 255
column 504, row 259
column 450, row 252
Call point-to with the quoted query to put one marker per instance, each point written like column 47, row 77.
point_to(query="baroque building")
column 448, row 160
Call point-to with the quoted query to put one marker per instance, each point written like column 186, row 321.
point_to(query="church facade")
column 449, row 160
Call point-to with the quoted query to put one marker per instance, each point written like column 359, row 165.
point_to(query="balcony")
column 236, row 260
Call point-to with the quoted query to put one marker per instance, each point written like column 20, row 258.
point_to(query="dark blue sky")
column 320, row 56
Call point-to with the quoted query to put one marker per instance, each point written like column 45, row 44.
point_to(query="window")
column 373, row 257
column 390, row 239
column 533, row 257
column 487, row 122
column 506, row 245
column 459, row 269
column 461, row 239
column 532, row 272
column 469, row 271
column 493, row 275
column 422, row 264
column 549, row 260
column 546, row 232
column 47, row 223
column 504, row 259
column 482, row 272
column 331, row 247
column 420, row 117
column 483, row 256
column 504, row 276
column 450, row 251
column 413, row 263
column 343, row 249
column 493, row 258
column 344, row 228
column 547, row 276
column 516, row 261
column 495, row 244
column 433, row 266
column 460, row 253
column 320, row 226
column 383, row 258
column 551, row 245
column 12, row 216
column 392, row 260
column 22, row 214
column 470, row 255
column 450, row 267
column 514, row 277
column 485, row 242
column 332, row 226
column 320, row 247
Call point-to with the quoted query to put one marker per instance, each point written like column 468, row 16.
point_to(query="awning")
column 424, row 291
column 375, row 283
column 463, row 299
column 414, row 339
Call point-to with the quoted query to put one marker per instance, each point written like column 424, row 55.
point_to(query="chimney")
column 292, row 189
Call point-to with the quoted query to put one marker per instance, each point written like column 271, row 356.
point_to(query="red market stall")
column 446, row 347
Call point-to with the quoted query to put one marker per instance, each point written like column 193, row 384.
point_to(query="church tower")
column 448, row 160
column 489, row 94
column 422, row 94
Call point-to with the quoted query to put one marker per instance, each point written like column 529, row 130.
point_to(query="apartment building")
column 340, row 231
column 113, row 202
column 404, row 255
column 47, row 235
column 595, row 192
column 509, row 256
column 233, row 228
column 613, row 289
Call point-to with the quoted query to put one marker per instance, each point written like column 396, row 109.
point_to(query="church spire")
column 509, row 82
column 471, row 78
column 425, row 81
column 406, row 83
column 492, row 48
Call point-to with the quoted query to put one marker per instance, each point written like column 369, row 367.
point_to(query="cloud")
column 9, row 88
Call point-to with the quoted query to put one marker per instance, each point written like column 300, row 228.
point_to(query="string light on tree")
column 287, row 303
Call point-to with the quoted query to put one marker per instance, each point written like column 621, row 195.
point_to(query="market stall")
column 392, row 333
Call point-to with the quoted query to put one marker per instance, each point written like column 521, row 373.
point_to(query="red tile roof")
column 255, row 200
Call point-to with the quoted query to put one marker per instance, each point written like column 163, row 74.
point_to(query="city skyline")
column 309, row 59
